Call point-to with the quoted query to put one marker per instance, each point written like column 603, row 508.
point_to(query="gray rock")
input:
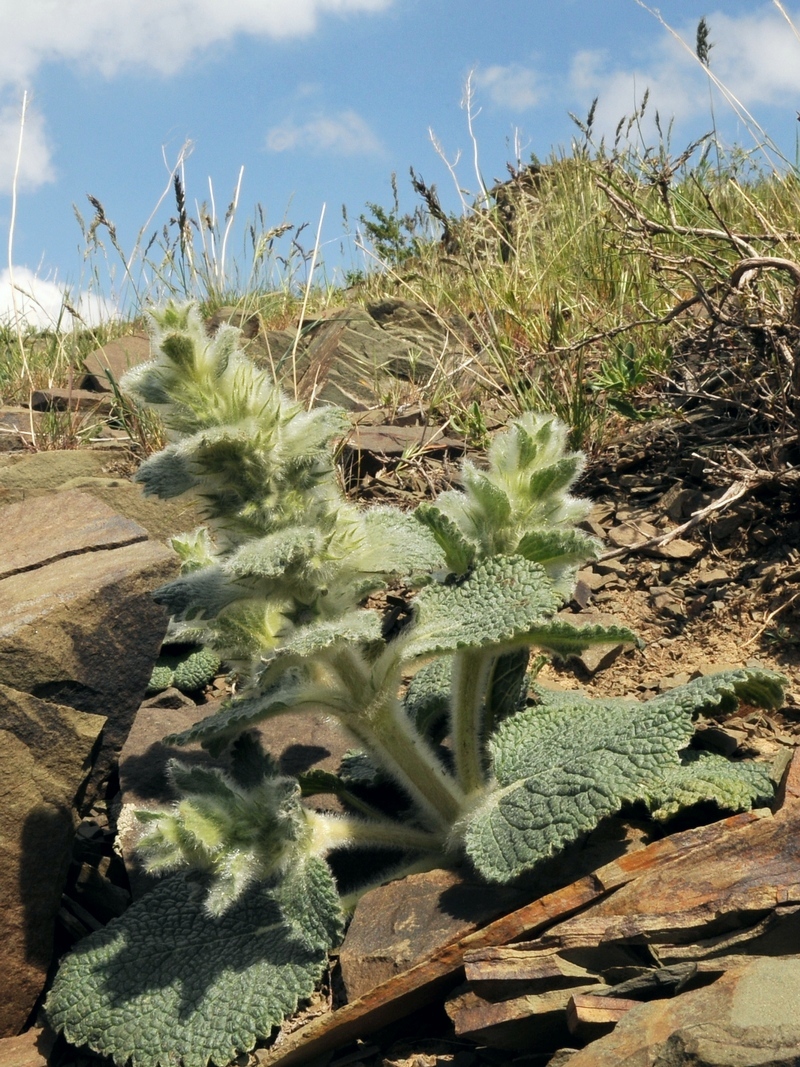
column 750, row 1017
column 78, row 625
column 629, row 533
column 248, row 322
column 45, row 753
column 27, row 474
column 19, row 428
column 76, row 525
column 116, row 357
column 678, row 549
column 71, row 400
column 31, row 1049
column 353, row 356
column 161, row 519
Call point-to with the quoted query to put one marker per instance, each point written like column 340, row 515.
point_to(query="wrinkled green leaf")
column 565, row 764
column 459, row 551
column 505, row 601
column 707, row 776
column 167, row 984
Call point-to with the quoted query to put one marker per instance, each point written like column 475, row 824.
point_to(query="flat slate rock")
column 28, row 474
column 397, row 925
column 750, row 1017
column 31, row 1049
column 71, row 400
column 395, row 440
column 19, row 428
column 78, row 624
column 72, row 524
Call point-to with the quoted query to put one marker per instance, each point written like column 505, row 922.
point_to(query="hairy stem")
column 341, row 831
column 381, row 724
column 393, row 740
column 472, row 670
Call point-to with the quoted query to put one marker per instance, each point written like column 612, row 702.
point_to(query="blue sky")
column 320, row 101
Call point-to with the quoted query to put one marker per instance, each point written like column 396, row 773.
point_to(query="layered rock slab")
column 750, row 1017
column 78, row 625
column 45, row 756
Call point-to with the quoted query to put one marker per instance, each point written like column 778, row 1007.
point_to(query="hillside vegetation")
column 603, row 285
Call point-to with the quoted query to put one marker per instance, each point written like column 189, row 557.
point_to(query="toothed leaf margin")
column 167, row 984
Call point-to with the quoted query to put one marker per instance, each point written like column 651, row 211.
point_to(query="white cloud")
column 40, row 302
column 515, row 86
column 36, row 166
column 755, row 56
column 345, row 133
column 155, row 34
column 620, row 93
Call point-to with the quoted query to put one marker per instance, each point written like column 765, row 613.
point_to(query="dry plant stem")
column 734, row 492
column 626, row 208
column 231, row 215
column 747, row 480
column 11, row 227
column 782, row 10
column 770, row 617
column 774, row 263
column 759, row 135
column 471, row 116
column 306, row 294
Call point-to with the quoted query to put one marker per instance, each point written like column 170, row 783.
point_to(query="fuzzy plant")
column 184, row 667
column 237, row 932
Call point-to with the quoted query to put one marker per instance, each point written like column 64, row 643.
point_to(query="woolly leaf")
column 167, row 984
column 488, row 496
column 195, row 670
column 272, row 555
column 508, row 687
column 354, row 627
column 427, row 700
column 560, row 767
column 506, row 601
column 556, row 476
column 724, row 690
column 167, row 474
column 707, row 776
column 395, row 543
column 562, row 638
column 540, row 740
column 499, row 601
column 459, row 552
column 161, row 678
column 240, row 714
column 201, row 593
column 195, row 549
column 310, row 904
column 557, row 547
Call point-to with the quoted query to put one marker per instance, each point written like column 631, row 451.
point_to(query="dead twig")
column 734, row 492
column 771, row 263
column 770, row 617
